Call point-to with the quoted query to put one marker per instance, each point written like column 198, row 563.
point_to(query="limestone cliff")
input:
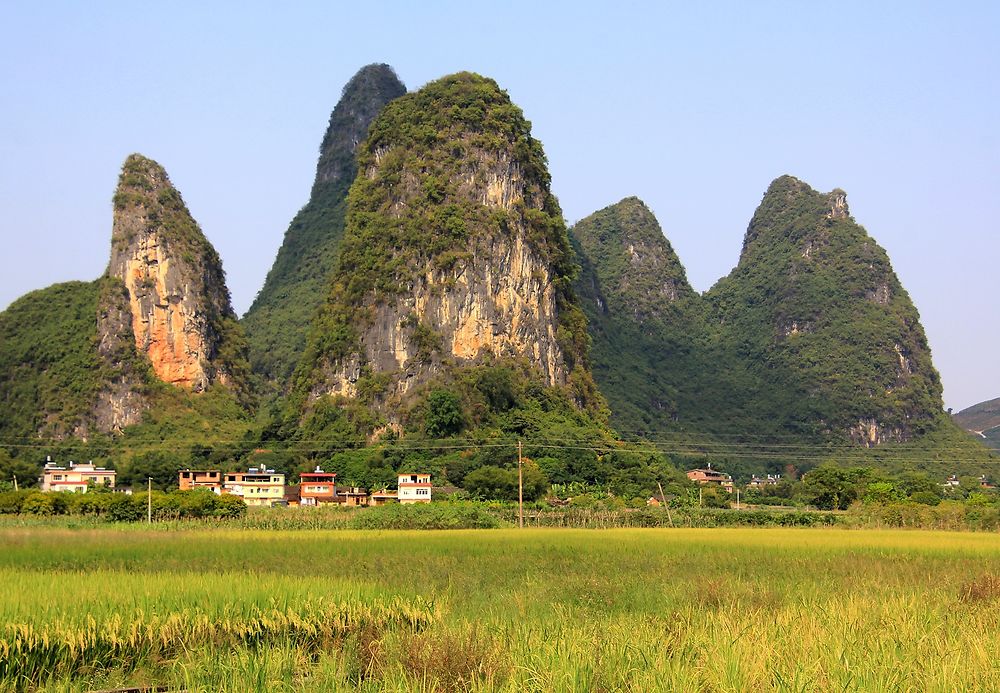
column 455, row 252
column 277, row 322
column 122, row 397
column 181, row 317
column 829, row 340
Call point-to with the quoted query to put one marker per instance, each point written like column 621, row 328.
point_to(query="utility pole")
column 520, row 488
column 737, row 499
column 699, row 495
column 665, row 505
column 15, row 481
column 149, row 499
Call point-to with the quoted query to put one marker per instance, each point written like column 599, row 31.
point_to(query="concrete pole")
column 149, row 499
column 520, row 488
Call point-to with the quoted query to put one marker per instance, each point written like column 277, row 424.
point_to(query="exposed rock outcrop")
column 122, row 398
column 297, row 284
column 181, row 316
column 455, row 251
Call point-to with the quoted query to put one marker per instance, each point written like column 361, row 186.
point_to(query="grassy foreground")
column 542, row 610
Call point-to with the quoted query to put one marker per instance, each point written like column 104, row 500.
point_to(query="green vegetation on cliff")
column 644, row 318
column 278, row 321
column 816, row 330
column 50, row 372
column 447, row 171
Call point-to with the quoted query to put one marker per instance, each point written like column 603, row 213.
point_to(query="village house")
column 317, row 487
column 257, row 486
column 353, row 497
column 383, row 497
column 190, row 479
column 769, row 480
column 711, row 476
column 77, row 477
column 414, row 488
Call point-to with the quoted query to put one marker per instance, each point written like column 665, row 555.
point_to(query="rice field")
column 499, row 610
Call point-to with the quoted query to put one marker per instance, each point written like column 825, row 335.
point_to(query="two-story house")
column 189, row 479
column 414, row 488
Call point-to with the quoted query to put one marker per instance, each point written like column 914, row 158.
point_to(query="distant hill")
column 983, row 419
column 817, row 327
column 810, row 350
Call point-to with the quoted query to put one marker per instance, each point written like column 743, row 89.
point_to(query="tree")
column 492, row 482
column 883, row 493
column 444, row 414
column 161, row 467
column 713, row 496
column 496, row 384
column 535, row 483
column 832, row 488
column 26, row 472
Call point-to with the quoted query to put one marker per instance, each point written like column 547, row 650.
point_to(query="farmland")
column 539, row 609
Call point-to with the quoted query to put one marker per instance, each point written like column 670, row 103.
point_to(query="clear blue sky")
column 694, row 107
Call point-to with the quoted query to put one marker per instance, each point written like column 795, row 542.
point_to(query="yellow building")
column 77, row 477
column 257, row 486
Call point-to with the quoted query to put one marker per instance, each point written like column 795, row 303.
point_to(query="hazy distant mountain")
column 983, row 419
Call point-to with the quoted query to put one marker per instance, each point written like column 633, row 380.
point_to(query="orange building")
column 317, row 487
column 353, row 497
column 189, row 479
column 383, row 497
column 711, row 476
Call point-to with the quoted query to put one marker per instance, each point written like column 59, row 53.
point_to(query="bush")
column 926, row 498
column 12, row 501
column 426, row 516
column 38, row 504
column 122, row 508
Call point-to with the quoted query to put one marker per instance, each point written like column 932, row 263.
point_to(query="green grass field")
column 541, row 610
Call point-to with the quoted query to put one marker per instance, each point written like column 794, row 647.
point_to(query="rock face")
column 643, row 317
column 278, row 321
column 181, row 316
column 122, row 397
column 455, row 252
column 819, row 318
